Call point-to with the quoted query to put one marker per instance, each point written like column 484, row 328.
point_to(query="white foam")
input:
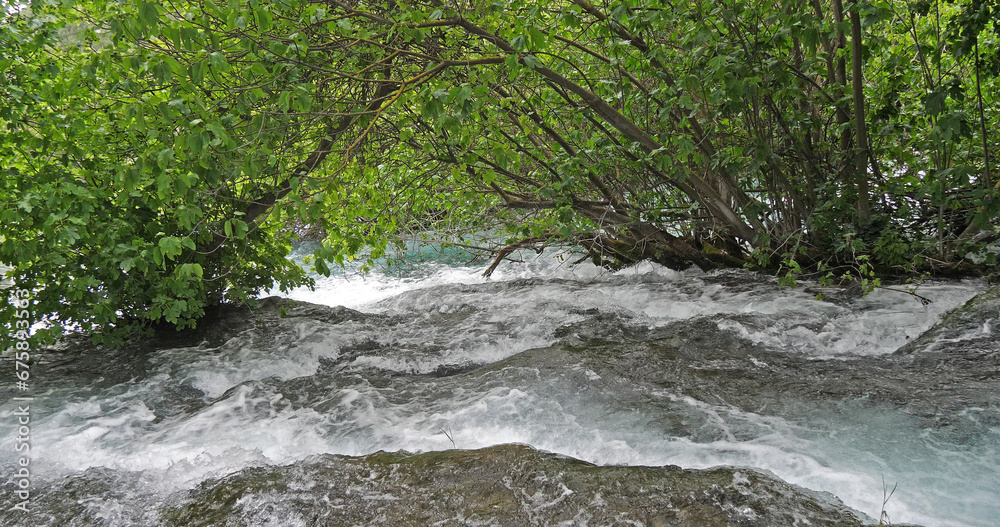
column 788, row 319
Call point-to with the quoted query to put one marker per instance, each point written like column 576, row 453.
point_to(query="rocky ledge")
column 505, row 485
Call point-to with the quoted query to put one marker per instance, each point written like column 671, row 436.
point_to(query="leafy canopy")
column 153, row 154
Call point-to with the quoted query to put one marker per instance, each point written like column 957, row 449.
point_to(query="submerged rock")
column 943, row 387
column 505, row 485
column 972, row 328
column 949, row 369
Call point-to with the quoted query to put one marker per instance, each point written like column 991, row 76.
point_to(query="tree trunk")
column 840, row 77
column 860, row 124
column 987, row 177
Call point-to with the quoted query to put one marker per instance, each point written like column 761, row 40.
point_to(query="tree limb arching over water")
column 153, row 154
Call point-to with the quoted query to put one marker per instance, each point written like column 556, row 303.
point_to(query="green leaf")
column 519, row 43
column 935, row 102
column 531, row 61
column 149, row 14
column 190, row 269
column 170, row 246
column 219, row 132
column 196, row 72
column 537, row 38
column 218, row 62
column 240, row 228
column 165, row 158
column 321, row 267
column 263, row 19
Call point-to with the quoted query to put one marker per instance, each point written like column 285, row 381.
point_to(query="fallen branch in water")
column 923, row 299
column 505, row 251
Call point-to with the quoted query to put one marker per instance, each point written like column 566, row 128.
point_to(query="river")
column 643, row 366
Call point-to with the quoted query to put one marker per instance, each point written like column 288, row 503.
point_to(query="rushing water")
column 436, row 357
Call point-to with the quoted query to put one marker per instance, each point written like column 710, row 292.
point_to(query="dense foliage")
column 153, row 154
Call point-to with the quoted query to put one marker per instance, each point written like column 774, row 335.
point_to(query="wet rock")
column 506, row 485
column 972, row 328
column 96, row 497
column 694, row 358
column 598, row 326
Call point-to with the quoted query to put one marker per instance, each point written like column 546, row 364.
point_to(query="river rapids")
column 846, row 396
